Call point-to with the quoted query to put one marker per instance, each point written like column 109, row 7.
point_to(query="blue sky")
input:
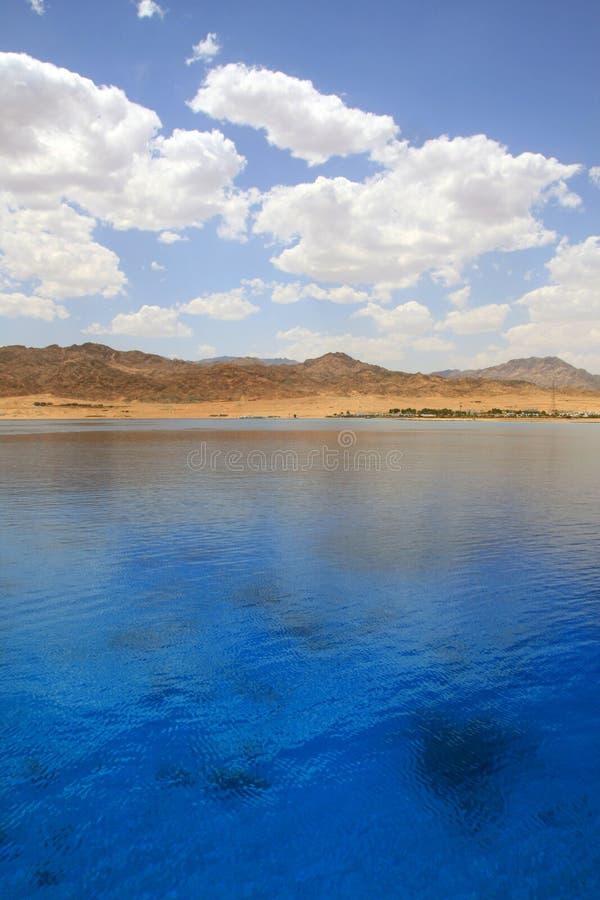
column 415, row 184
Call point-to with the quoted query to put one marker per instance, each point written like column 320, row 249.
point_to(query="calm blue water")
column 322, row 683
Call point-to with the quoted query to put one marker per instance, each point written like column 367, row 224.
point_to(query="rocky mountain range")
column 545, row 371
column 96, row 372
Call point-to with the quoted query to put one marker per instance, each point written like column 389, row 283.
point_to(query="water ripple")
column 345, row 684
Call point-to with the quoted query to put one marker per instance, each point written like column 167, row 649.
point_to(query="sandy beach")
column 27, row 407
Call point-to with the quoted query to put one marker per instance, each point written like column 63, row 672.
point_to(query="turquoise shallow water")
column 235, row 680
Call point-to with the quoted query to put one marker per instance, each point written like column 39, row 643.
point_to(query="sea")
column 305, row 659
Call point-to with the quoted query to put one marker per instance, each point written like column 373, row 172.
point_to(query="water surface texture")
column 237, row 680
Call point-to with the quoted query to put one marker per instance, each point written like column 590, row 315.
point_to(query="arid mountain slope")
column 96, row 372
column 546, row 372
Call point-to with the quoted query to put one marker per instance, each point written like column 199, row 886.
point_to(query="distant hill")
column 544, row 371
column 249, row 360
column 95, row 371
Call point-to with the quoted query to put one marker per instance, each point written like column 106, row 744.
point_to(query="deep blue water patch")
column 292, row 684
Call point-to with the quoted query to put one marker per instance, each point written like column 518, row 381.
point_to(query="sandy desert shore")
column 25, row 407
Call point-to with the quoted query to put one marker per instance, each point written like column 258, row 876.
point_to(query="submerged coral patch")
column 460, row 763
column 238, row 782
column 47, row 877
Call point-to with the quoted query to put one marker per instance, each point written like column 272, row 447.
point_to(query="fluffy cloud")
column 64, row 140
column 302, row 343
column 406, row 319
column 255, row 286
column 148, row 321
column 170, row 237
column 295, row 116
column 573, row 294
column 54, row 247
column 38, row 6
column 63, row 137
column 564, row 197
column 577, row 267
column 61, row 134
column 205, row 49
column 595, row 175
column 577, row 342
column 432, row 210
column 30, row 306
column 408, row 326
column 564, row 316
column 148, row 8
column 460, row 297
column 156, row 267
column 180, row 181
column 229, row 306
column 234, row 214
column 478, row 320
column 293, row 291
column 206, row 351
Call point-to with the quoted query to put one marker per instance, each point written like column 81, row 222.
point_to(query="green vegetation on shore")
column 445, row 412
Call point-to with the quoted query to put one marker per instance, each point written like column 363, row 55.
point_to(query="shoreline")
column 47, row 407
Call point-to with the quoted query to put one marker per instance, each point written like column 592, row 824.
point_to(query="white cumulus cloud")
column 64, row 137
column 146, row 9
column 433, row 210
column 148, row 321
column 66, row 142
column 156, row 267
column 573, row 294
column 255, row 286
column 406, row 327
column 404, row 320
column 478, row 320
column 229, row 306
column 290, row 292
column 205, row 50
column 54, row 247
column 294, row 291
column 38, row 6
column 13, row 305
column 304, row 343
column 184, row 183
column 292, row 112
column 460, row 297
column 564, row 315
column 170, row 237
column 577, row 266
